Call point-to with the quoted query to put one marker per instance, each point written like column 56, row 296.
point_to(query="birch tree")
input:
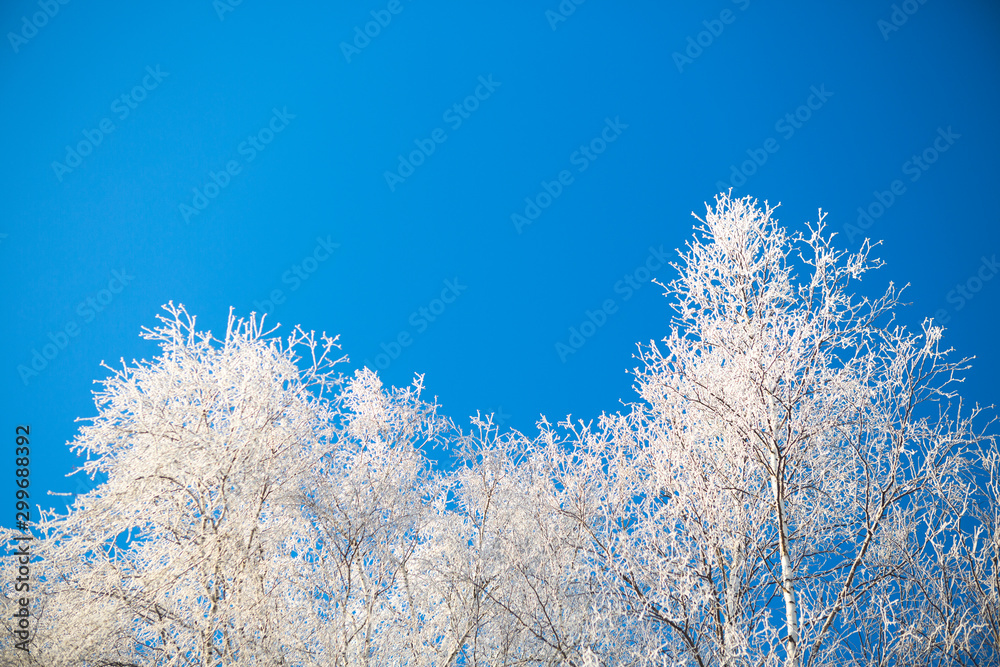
column 376, row 585
column 533, row 593
column 798, row 485
column 192, row 550
column 259, row 509
column 768, row 501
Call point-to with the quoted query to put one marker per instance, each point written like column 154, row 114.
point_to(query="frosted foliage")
column 794, row 454
column 798, row 484
column 194, row 544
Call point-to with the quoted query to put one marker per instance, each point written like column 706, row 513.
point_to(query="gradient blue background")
column 323, row 176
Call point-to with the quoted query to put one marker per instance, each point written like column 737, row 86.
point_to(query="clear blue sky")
column 211, row 154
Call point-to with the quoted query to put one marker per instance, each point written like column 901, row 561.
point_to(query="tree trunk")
column 787, row 588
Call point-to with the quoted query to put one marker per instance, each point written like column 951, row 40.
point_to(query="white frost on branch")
column 799, row 485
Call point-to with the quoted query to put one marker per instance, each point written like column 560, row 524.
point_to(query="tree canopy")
column 798, row 483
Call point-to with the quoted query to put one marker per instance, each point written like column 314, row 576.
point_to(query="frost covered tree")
column 799, row 485
column 533, row 592
column 380, row 591
column 253, row 513
column 193, row 549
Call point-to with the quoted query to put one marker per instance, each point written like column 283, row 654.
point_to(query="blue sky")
column 466, row 183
